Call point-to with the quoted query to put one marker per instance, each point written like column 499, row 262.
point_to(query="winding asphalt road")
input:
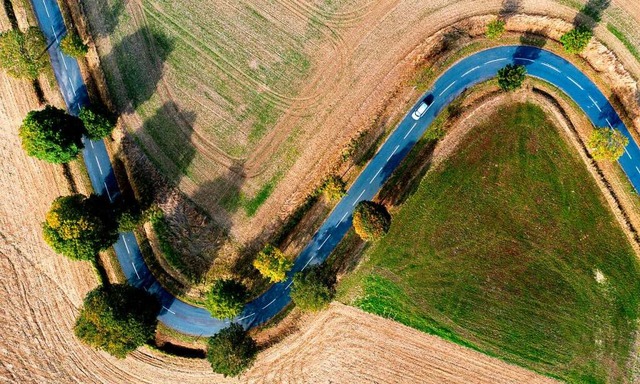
column 472, row 70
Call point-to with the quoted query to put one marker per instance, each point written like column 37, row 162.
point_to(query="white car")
column 422, row 108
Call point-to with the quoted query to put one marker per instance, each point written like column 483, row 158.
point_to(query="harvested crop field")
column 246, row 105
column 509, row 246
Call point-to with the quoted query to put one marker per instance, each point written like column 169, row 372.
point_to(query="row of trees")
column 53, row 135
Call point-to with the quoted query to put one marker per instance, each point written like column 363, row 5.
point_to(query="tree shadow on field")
column 591, row 13
column 111, row 12
column 509, row 8
column 139, row 59
column 534, row 38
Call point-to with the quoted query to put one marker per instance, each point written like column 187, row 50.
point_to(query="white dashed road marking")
column 628, row 154
column 325, row 240
column 46, row 8
column 524, row 59
column 356, row 201
column 409, row 131
column 63, row 60
column 54, row 34
column 376, row 175
column 91, row 142
column 576, row 83
column 495, row 60
column 594, row 103
column 393, row 153
column 170, row 311
column 244, row 317
column 469, row 71
column 305, row 266
column 445, row 90
column 608, row 122
column 107, row 189
column 343, row 216
column 550, row 66
column 125, row 244
column 288, row 285
column 271, row 302
column 136, row 270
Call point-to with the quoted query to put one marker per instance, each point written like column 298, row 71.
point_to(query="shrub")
column 272, row 263
column 576, row 39
column 607, row 144
column 231, row 351
column 98, row 122
column 334, row 188
column 495, row 29
column 22, row 53
column 79, row 227
column 371, row 221
column 226, row 298
column 52, row 135
column 311, row 291
column 511, row 77
column 72, row 45
column 117, row 319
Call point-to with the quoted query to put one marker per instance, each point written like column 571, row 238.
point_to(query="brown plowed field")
column 373, row 43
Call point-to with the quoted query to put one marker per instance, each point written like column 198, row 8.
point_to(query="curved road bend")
column 472, row 70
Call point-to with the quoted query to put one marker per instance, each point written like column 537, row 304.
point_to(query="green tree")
column 371, row 221
column 231, row 351
column 495, row 29
column 226, row 298
column 98, row 122
column 311, row 291
column 23, row 54
column 117, row 319
column 73, row 46
column 79, row 227
column 272, row 263
column 607, row 144
column 334, row 188
column 576, row 39
column 52, row 135
column 511, row 77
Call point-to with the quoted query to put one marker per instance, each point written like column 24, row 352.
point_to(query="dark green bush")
column 231, row 351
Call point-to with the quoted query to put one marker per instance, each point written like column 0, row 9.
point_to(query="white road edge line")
column 393, row 153
column 469, row 71
column 576, row 83
column 376, row 175
column 271, row 302
column 136, row 270
column 494, row 60
column 107, row 189
column 409, row 131
column 168, row 310
column 551, row 66
column 244, row 317
column 125, row 244
column 608, row 122
column 445, row 90
column 356, row 201
column 325, row 240
column 594, row 103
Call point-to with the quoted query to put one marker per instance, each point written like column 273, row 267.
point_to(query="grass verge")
column 509, row 247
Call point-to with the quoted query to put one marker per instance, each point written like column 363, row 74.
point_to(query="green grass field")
column 508, row 247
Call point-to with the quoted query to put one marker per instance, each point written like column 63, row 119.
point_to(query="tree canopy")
column 231, row 351
column 576, row 40
column 495, row 29
column 79, row 227
column 272, row 263
column 52, row 135
column 371, row 220
column 98, row 122
column 311, row 291
column 226, row 298
column 607, row 144
column 23, row 54
column 511, row 77
column 73, row 45
column 334, row 188
column 117, row 319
